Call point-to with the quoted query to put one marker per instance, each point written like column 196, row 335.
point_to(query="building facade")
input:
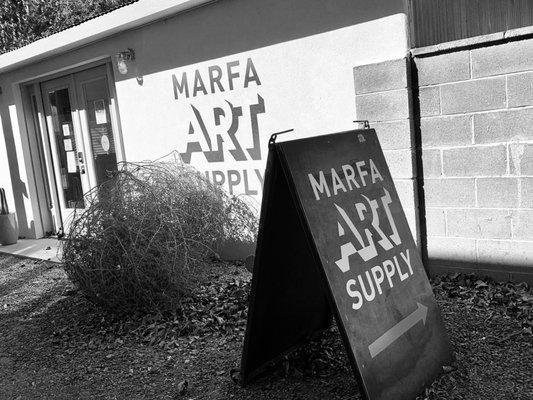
column 213, row 80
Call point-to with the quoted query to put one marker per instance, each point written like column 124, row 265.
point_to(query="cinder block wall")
column 476, row 127
column 383, row 97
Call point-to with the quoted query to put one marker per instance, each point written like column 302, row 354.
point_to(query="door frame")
column 44, row 221
column 34, row 85
column 65, row 82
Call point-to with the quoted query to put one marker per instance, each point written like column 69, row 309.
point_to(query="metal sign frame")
column 289, row 246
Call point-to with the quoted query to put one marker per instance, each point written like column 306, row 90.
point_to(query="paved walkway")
column 41, row 249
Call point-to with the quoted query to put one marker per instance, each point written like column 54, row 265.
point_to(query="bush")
column 144, row 235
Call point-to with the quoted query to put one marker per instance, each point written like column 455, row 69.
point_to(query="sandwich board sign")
column 334, row 241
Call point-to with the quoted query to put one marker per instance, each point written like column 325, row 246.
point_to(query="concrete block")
column 503, row 126
column 520, row 90
column 502, row 59
column 435, row 222
column 497, row 192
column 507, row 253
column 469, row 96
column 400, row 163
column 457, row 192
column 521, row 158
column 406, row 189
column 526, row 193
column 451, row 249
column 429, row 98
column 384, row 106
column 394, row 135
column 478, row 223
column 475, row 161
column 450, row 67
column 431, row 163
column 522, row 224
column 388, row 75
column 446, row 131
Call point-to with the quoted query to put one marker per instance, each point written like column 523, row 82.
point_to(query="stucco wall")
column 302, row 54
column 304, row 84
column 476, row 130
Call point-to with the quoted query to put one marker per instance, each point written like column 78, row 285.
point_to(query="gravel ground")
column 56, row 345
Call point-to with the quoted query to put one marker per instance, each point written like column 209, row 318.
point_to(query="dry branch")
column 144, row 235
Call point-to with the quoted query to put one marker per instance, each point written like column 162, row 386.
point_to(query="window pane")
column 100, row 129
column 67, row 149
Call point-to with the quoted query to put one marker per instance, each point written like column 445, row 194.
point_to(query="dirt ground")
column 56, row 345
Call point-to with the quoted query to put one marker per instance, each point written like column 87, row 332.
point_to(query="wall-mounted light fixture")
column 122, row 57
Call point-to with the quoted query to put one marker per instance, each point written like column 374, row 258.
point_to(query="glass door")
column 82, row 132
column 67, row 148
column 97, row 124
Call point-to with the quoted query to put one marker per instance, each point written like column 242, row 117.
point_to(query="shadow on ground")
column 56, row 345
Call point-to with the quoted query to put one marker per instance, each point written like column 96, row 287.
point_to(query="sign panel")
column 288, row 302
column 367, row 260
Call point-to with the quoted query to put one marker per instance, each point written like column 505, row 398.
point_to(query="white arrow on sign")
column 385, row 340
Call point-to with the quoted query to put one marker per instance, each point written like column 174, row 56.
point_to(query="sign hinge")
column 364, row 122
column 273, row 137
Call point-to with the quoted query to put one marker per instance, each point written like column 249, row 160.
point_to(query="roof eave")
column 122, row 19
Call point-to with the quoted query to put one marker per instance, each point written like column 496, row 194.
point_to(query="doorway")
column 80, row 132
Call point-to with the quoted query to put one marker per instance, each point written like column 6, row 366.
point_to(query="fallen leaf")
column 235, row 374
column 448, row 368
column 182, row 387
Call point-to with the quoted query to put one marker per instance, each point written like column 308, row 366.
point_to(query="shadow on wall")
column 500, row 272
column 19, row 187
column 235, row 26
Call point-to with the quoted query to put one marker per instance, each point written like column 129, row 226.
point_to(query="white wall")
column 304, row 84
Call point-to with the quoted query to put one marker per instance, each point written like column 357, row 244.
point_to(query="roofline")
column 131, row 16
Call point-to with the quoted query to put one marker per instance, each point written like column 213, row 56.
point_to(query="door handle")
column 81, row 162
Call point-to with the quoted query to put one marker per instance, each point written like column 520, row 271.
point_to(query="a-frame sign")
column 333, row 239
